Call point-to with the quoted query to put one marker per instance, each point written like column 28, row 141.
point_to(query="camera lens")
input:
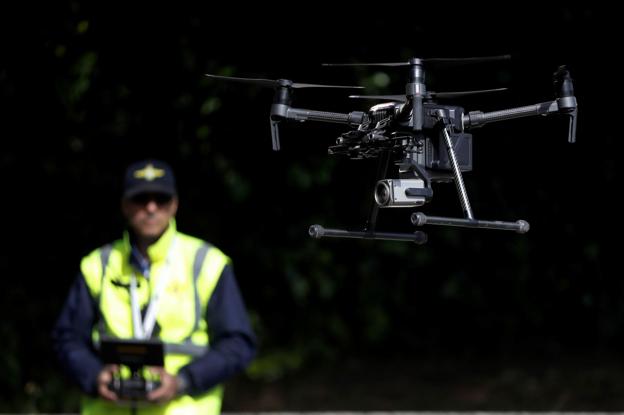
column 382, row 193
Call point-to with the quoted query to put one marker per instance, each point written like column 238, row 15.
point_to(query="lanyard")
column 143, row 327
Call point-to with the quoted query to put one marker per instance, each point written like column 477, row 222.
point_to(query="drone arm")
column 478, row 118
column 297, row 114
column 566, row 105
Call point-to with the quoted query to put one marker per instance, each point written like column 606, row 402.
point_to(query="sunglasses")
column 145, row 198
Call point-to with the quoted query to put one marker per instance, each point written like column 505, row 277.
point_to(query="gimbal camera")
column 428, row 142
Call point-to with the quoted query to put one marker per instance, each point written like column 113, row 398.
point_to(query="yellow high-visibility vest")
column 193, row 272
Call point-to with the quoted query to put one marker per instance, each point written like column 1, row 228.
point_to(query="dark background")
column 472, row 320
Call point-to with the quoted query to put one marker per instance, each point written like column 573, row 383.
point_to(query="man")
column 156, row 283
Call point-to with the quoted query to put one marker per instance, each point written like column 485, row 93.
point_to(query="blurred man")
column 156, row 283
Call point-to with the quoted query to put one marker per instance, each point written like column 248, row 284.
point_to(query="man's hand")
column 168, row 386
column 104, row 378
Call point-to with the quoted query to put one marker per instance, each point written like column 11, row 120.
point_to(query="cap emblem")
column 149, row 173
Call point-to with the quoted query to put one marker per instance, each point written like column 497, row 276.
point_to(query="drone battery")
column 436, row 154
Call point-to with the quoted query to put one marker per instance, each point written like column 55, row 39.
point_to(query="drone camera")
column 401, row 193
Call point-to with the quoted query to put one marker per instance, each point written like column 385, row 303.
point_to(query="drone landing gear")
column 317, row 231
column 419, row 237
column 420, row 219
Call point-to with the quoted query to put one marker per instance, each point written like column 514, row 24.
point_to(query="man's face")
column 148, row 214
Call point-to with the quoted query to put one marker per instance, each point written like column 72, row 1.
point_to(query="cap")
column 149, row 176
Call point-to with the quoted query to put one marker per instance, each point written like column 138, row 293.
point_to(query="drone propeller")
column 416, row 90
column 397, row 98
column 278, row 82
column 430, row 95
column 281, row 103
column 443, row 60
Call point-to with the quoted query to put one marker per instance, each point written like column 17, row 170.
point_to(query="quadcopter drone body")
column 426, row 141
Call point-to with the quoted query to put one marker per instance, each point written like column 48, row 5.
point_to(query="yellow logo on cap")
column 149, row 173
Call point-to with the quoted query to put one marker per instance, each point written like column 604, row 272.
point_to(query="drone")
column 426, row 142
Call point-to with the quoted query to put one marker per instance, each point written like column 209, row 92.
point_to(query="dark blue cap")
column 149, row 176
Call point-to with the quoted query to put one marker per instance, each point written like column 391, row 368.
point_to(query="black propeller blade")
column 397, row 98
column 430, row 95
column 420, row 60
column 456, row 94
column 278, row 82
